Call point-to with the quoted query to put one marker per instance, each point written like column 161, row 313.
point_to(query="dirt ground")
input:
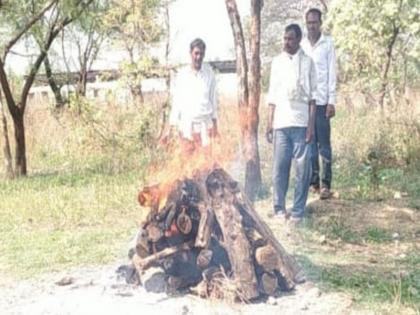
column 99, row 290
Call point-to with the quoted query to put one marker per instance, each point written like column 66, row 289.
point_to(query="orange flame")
column 182, row 163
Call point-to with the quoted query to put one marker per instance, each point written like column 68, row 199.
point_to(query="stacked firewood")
column 202, row 229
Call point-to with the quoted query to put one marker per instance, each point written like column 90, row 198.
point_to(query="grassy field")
column 367, row 249
column 50, row 222
column 78, row 205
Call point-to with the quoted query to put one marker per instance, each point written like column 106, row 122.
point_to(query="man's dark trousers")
column 321, row 147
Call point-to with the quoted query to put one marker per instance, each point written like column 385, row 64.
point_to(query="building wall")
column 103, row 91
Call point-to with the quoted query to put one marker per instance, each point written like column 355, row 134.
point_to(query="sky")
column 206, row 19
column 189, row 19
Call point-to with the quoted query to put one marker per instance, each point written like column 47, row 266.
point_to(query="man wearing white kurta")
column 291, row 98
column 194, row 103
column 321, row 49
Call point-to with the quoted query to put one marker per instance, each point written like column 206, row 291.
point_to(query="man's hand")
column 269, row 135
column 309, row 134
column 330, row 111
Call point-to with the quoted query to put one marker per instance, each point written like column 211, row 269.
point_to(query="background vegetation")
column 88, row 160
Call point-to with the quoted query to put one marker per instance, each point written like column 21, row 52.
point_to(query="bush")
column 109, row 137
column 368, row 146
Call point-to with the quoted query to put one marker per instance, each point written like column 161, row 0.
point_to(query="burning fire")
column 183, row 164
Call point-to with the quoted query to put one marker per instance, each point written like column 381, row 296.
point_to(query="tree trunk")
column 248, row 96
column 81, row 84
column 241, row 62
column 253, row 170
column 6, row 145
column 165, row 104
column 20, row 150
column 59, row 101
column 17, row 116
column 137, row 91
column 387, row 65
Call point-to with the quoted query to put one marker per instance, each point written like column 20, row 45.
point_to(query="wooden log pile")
column 202, row 232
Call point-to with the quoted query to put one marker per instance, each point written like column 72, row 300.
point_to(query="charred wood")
column 201, row 232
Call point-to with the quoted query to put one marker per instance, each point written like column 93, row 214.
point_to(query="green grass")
column 53, row 221
column 366, row 262
column 78, row 207
column 357, row 183
column 377, row 235
column 336, row 227
column 367, row 285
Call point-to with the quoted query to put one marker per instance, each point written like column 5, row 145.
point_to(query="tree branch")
column 36, row 18
column 324, row 4
column 50, row 38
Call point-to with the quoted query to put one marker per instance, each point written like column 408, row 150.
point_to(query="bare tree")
column 87, row 54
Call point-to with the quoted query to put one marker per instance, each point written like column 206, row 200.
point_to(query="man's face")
column 197, row 56
column 313, row 24
column 291, row 42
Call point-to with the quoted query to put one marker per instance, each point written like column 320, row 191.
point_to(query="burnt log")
column 143, row 263
column 234, row 239
column 266, row 257
column 287, row 267
column 204, row 258
column 205, row 227
column 154, row 280
column 269, row 283
column 206, row 232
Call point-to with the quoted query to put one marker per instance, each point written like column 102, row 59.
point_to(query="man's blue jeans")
column 321, row 146
column 289, row 144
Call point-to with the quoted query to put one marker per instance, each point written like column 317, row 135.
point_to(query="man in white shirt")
column 194, row 102
column 321, row 49
column 291, row 98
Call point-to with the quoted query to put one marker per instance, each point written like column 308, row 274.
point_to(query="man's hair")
column 295, row 28
column 198, row 42
column 314, row 11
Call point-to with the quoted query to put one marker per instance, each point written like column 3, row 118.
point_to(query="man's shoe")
column 280, row 215
column 277, row 214
column 295, row 221
column 314, row 189
column 325, row 194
